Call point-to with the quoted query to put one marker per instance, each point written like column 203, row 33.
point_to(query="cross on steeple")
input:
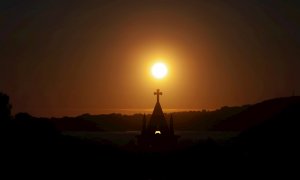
column 156, row 135
column 157, row 93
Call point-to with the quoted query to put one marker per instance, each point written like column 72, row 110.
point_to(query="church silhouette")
column 156, row 135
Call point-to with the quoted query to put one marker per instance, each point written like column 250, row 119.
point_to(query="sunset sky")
column 72, row 57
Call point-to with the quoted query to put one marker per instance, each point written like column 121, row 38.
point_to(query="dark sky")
column 71, row 57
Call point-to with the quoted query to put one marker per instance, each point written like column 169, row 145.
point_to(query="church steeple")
column 158, row 121
column 156, row 135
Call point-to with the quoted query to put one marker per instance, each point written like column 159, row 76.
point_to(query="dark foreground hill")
column 257, row 114
column 33, row 147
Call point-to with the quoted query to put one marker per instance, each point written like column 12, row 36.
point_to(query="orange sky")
column 62, row 58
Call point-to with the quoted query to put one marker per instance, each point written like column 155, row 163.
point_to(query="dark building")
column 156, row 134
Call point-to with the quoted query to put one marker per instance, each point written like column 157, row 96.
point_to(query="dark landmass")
column 187, row 121
column 256, row 114
column 267, row 148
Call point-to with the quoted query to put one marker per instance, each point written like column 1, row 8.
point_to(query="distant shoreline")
column 115, row 111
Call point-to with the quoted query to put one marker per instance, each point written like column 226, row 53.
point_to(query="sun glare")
column 159, row 70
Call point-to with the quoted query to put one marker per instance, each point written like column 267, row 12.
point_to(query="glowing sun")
column 159, row 70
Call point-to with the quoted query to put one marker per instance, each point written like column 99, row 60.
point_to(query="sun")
column 159, row 70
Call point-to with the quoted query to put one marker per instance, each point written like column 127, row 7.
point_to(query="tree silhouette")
column 5, row 107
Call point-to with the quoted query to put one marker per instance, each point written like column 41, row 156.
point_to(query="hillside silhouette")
column 275, row 135
column 257, row 114
column 188, row 121
column 266, row 147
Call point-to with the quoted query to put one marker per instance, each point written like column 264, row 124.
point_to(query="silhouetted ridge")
column 278, row 132
column 189, row 120
column 272, row 144
column 256, row 114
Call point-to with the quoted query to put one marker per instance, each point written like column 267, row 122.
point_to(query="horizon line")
column 73, row 112
column 105, row 111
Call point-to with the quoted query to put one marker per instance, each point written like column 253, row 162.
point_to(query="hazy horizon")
column 58, row 113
